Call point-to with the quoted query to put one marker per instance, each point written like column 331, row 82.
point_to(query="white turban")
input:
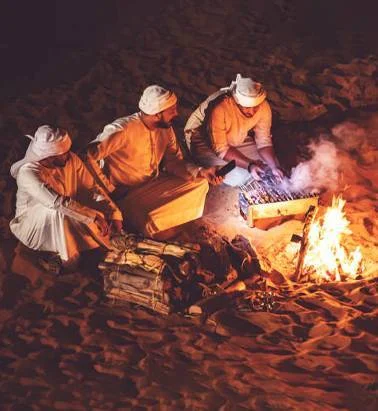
column 247, row 92
column 47, row 142
column 156, row 99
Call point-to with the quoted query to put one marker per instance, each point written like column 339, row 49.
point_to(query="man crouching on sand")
column 59, row 207
column 156, row 188
column 221, row 129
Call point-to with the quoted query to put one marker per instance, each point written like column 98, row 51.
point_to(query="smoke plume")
column 318, row 173
column 335, row 164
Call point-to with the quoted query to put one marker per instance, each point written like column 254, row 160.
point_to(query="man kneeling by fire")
column 60, row 209
column 144, row 169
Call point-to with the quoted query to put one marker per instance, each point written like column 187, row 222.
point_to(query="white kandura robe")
column 56, row 208
column 227, row 127
column 132, row 155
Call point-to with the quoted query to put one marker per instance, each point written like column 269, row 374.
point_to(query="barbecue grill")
column 267, row 198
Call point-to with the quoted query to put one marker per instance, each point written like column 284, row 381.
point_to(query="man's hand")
column 278, row 173
column 256, row 168
column 209, row 174
column 116, row 226
column 102, row 225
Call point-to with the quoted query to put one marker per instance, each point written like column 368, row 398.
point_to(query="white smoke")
column 335, row 164
column 320, row 172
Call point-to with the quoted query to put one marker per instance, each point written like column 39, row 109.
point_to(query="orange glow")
column 326, row 258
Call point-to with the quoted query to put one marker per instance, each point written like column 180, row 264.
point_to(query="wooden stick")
column 133, row 243
column 309, row 218
column 161, row 248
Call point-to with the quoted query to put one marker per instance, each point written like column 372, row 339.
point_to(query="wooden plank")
column 282, row 208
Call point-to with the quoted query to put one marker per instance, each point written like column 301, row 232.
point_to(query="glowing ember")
column 326, row 258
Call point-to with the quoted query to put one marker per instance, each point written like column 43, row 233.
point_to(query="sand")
column 63, row 346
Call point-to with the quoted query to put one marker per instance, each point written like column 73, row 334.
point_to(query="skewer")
column 268, row 190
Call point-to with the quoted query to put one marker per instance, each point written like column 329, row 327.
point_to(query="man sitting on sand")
column 60, row 209
column 142, row 157
column 221, row 128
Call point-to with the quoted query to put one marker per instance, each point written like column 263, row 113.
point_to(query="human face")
column 248, row 111
column 166, row 117
column 56, row 161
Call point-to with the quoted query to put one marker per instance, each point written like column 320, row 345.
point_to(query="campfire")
column 323, row 255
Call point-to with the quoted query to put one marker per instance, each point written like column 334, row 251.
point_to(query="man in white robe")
column 220, row 130
column 134, row 150
column 60, row 208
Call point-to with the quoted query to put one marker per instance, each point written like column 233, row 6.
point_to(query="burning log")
column 310, row 215
column 323, row 256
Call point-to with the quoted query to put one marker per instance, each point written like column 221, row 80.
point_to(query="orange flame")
column 326, row 258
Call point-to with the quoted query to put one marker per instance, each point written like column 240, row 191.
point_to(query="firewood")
column 123, row 296
column 161, row 248
column 133, row 243
column 134, row 280
column 150, row 263
column 125, row 269
column 146, row 294
column 309, row 218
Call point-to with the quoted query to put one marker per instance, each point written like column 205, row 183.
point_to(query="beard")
column 164, row 124
column 248, row 114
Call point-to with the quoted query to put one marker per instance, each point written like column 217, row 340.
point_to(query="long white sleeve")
column 29, row 183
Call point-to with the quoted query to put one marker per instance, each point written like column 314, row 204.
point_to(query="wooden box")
column 254, row 212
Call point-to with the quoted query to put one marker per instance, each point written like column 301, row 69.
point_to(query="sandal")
column 51, row 264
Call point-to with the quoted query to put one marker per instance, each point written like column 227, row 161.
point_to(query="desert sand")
column 64, row 347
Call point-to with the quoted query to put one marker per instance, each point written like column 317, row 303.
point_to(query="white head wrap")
column 47, row 142
column 247, row 92
column 156, row 99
